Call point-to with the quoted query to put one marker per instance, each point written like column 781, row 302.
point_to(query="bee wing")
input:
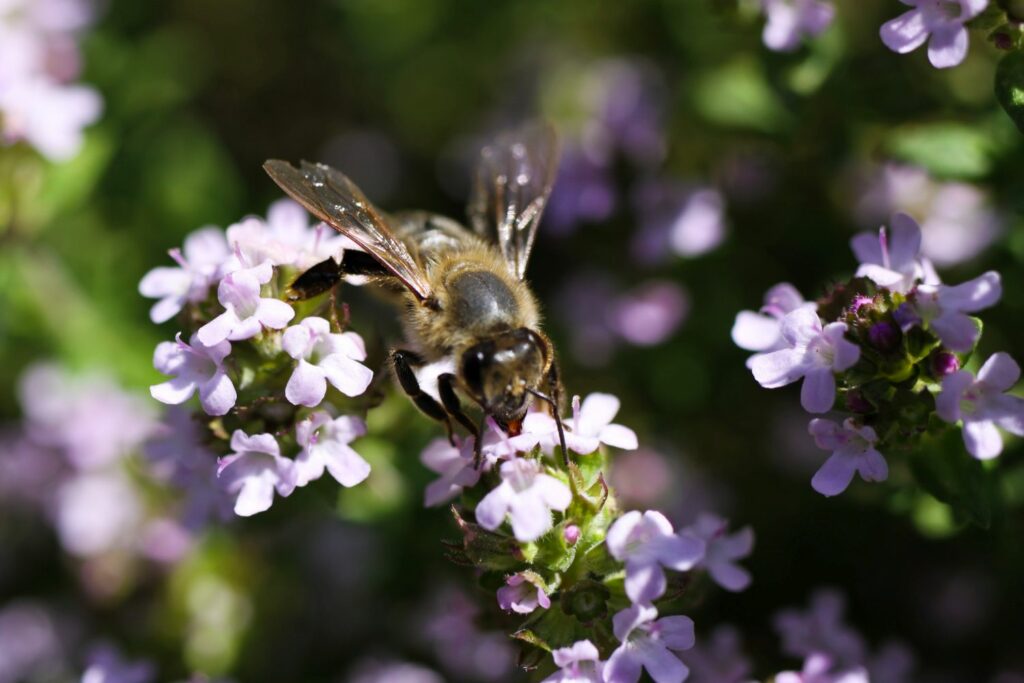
column 330, row 196
column 513, row 180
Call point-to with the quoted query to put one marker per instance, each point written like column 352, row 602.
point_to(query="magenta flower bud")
column 571, row 534
column 944, row 363
column 856, row 403
column 884, row 335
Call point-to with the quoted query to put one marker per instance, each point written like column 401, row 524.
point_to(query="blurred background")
column 699, row 168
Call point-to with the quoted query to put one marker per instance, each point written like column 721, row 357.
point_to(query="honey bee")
column 462, row 291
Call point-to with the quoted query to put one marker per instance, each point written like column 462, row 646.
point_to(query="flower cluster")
column 890, row 345
column 39, row 60
column 271, row 382
column 568, row 560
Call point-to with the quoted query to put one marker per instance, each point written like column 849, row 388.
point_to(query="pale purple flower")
column 285, row 238
column 680, row 218
column 650, row 313
column 254, row 471
column 790, row 21
column 983, row 404
column 591, row 426
column 629, row 98
column 820, row 629
column 892, row 258
column 523, row 593
column 957, row 219
column 200, row 265
column 324, row 357
column 943, row 309
column 89, row 418
column 107, row 665
column 721, row 550
column 718, row 658
column 49, row 116
column 97, row 512
column 195, row 366
column 325, row 446
column 393, row 672
column 455, row 466
column 648, row 545
column 762, row 330
column 853, row 450
column 817, row 669
column 584, row 190
column 814, row 353
column 942, row 20
column 579, row 663
column 246, row 313
column 30, row 641
column 649, row 644
column 527, row 495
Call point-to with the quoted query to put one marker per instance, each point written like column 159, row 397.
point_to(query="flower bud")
column 944, row 363
column 587, row 600
column 856, row 403
column 884, row 336
column 571, row 534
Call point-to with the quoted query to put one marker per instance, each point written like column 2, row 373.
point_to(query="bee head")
column 500, row 371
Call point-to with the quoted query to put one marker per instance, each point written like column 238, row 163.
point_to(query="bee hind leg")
column 404, row 362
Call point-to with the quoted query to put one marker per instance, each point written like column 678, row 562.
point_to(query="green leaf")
column 738, row 95
column 1010, row 86
column 946, row 471
column 947, row 150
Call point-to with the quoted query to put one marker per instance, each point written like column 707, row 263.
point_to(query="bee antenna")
column 558, row 421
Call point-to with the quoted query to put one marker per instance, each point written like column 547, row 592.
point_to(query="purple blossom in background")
column 451, row 627
column 393, row 672
column 195, row 366
column 630, row 105
column 721, row 551
column 941, row 20
column 38, row 57
column 790, row 21
column 649, row 644
column 892, row 258
column 983, row 404
column 853, row 450
column 246, row 313
column 527, row 496
column 718, row 658
column 325, row 446
column 650, row 313
column 820, row 630
column 679, row 218
column 814, row 354
column 106, row 665
column 48, row 116
column 455, row 466
column 30, row 641
column 957, row 219
column 648, row 544
column 584, row 191
column 522, row 594
column 254, row 470
column 89, row 418
column 817, row 669
column 200, row 265
column 324, row 357
column 943, row 309
column 762, row 330
column 97, row 512
column 578, row 663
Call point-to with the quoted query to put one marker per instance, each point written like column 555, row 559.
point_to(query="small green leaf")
column 738, row 95
column 947, row 150
column 946, row 471
column 1010, row 86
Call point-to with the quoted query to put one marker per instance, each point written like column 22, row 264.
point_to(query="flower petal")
column 982, row 439
column 947, row 402
column 818, row 393
column 957, row 331
column 974, row 295
column 350, row 377
column 905, row 33
column 834, row 476
column 491, row 510
column 948, row 45
column 872, row 466
column 999, row 372
column 217, row 395
column 274, row 313
column 676, row 632
column 645, row 581
column 346, row 466
column 597, row 411
column 662, row 665
column 618, row 436
column 623, row 666
column 756, row 332
column 307, row 386
column 729, row 576
column 778, row 368
column 173, row 391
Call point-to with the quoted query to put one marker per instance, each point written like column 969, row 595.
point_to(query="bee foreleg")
column 404, row 361
column 555, row 392
column 452, row 404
